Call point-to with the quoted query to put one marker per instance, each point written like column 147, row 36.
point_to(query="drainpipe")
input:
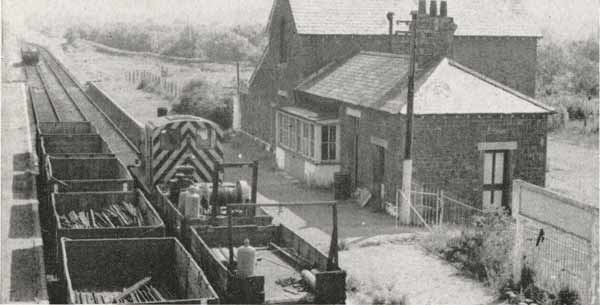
column 404, row 213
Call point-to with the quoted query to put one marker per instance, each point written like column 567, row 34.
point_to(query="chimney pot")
column 444, row 9
column 390, row 16
column 422, row 7
column 433, row 8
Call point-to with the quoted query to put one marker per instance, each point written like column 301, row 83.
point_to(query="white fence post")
column 441, row 207
column 593, row 262
column 518, row 239
column 437, row 209
column 397, row 205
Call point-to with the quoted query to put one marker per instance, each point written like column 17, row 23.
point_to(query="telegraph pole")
column 404, row 213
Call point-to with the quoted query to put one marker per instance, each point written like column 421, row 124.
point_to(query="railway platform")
column 21, row 260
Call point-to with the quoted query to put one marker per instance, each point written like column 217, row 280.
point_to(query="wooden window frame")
column 303, row 137
column 494, row 186
column 329, row 143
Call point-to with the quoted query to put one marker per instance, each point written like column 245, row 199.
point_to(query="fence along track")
column 43, row 108
column 62, row 100
column 121, row 146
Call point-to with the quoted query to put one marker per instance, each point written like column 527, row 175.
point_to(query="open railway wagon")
column 286, row 269
column 74, row 144
column 58, row 130
column 74, row 173
column 60, row 139
column 146, row 270
column 96, row 215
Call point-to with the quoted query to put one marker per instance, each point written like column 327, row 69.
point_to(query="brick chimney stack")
column 435, row 32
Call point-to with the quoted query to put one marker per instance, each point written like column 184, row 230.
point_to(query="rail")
column 35, row 103
column 44, row 84
column 62, row 85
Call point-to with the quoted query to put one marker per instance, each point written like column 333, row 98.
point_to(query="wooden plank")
column 133, row 288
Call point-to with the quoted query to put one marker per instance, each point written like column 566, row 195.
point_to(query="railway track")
column 64, row 103
column 43, row 108
column 121, row 146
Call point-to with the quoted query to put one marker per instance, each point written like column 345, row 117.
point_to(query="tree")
column 198, row 99
column 568, row 67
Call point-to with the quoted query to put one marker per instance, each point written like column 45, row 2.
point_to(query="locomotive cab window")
column 169, row 139
column 204, row 139
column 172, row 139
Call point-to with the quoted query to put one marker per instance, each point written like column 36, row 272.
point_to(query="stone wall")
column 446, row 154
column 373, row 127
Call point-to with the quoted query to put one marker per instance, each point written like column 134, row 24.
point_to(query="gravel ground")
column 405, row 269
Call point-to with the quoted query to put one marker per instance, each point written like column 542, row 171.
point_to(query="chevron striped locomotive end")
column 178, row 141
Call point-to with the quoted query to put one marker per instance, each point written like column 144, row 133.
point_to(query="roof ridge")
column 499, row 85
column 323, row 70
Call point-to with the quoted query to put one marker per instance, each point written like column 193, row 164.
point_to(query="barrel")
column 341, row 185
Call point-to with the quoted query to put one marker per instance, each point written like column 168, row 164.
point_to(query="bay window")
column 313, row 140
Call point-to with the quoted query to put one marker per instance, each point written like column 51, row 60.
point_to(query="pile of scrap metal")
column 123, row 214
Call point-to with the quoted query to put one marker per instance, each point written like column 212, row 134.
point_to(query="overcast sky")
column 565, row 19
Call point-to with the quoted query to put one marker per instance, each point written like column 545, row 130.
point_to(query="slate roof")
column 378, row 81
column 368, row 17
column 363, row 79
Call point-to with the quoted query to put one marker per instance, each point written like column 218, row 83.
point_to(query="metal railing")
column 433, row 207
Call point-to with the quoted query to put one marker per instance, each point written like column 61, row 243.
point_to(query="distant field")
column 573, row 163
column 109, row 71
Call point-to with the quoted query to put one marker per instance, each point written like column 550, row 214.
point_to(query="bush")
column 568, row 67
column 217, row 45
column 573, row 107
column 484, row 251
column 559, row 119
column 567, row 296
column 197, row 99
column 438, row 240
